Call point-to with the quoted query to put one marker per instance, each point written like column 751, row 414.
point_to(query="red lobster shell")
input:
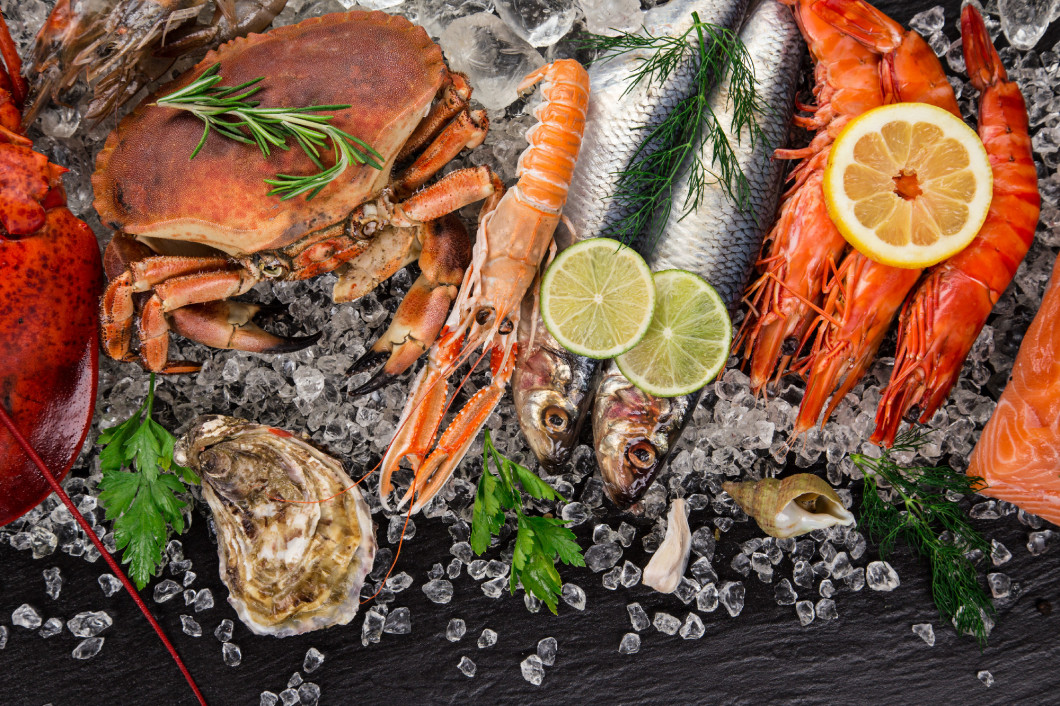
column 50, row 281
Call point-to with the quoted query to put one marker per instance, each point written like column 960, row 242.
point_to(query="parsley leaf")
column 539, row 541
column 143, row 502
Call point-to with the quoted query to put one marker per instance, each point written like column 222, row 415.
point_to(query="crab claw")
column 229, row 324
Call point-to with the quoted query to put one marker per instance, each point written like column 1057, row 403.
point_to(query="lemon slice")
column 908, row 184
column 597, row 298
column 688, row 341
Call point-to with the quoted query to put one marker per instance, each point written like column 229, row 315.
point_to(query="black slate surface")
column 868, row 655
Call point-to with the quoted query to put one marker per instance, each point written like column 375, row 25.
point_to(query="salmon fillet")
column 1018, row 454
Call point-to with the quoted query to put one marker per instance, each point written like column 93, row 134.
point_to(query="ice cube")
column 803, row 574
column 452, row 570
column 574, row 514
column 880, row 576
column 455, row 630
column 573, row 595
column 1000, row 585
column 495, row 587
column 826, row 610
column 223, row 633
column 190, row 626
column 610, row 578
column 631, row 574
column 600, row 557
column 88, row 648
column 533, row 670
column 462, row 551
column 313, row 659
column 703, row 571
column 309, row 382
column 494, row 58
column 400, row 528
column 855, row 580
column 399, row 582
column 89, row 623
column 741, row 564
column 109, row 583
column 398, row 622
column 986, row 677
column 542, row 23
column 693, row 628
column 731, row 595
column 703, row 542
column 3, row 636
column 925, row 632
column 1025, row 21
column 477, row 569
column 466, row 667
column 630, row 644
column 784, row 593
column 804, row 609
column 546, row 650
column 189, row 578
column 165, row 590
column 1040, row 542
column 372, row 628
column 268, row 698
column 532, row 602
column 928, row 22
column 231, row 654
column 999, row 554
column 289, row 697
column 51, row 628
column 309, row 694
column 438, row 591
column 488, row 638
column 203, row 600
column 626, row 534
column 638, row 617
column 53, row 582
column 666, row 623
column 707, row 598
column 826, row 588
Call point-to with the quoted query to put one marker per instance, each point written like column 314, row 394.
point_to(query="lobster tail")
column 980, row 56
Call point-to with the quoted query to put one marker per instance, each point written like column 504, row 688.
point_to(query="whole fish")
column 551, row 386
column 635, row 432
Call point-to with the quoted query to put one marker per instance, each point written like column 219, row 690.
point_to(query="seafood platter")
column 626, row 350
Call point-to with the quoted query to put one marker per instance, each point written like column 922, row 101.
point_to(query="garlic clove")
column 667, row 565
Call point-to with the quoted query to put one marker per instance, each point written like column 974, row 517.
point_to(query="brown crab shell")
column 385, row 67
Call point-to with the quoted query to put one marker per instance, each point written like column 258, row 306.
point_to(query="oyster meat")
column 290, row 567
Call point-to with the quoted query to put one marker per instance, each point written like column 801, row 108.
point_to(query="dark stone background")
column 868, row 655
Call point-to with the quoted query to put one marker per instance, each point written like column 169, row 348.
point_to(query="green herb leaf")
column 646, row 186
column 270, row 127
column 539, row 541
column 145, row 501
column 932, row 525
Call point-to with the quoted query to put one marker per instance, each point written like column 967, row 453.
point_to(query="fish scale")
column 635, row 432
column 553, row 387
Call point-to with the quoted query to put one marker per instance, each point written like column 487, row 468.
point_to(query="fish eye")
column 484, row 315
column 505, row 327
column 641, row 454
column 555, row 419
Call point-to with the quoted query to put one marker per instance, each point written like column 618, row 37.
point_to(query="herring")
column 552, row 387
column 635, row 432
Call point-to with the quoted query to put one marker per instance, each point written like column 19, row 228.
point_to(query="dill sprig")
column 932, row 525
column 228, row 111
column 646, row 186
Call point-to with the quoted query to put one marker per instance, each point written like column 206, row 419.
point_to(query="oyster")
column 290, row 567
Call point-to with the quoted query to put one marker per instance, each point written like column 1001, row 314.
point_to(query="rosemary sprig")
column 932, row 525
column 646, row 186
column 228, row 111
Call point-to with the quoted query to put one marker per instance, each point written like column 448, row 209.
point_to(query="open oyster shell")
column 290, row 567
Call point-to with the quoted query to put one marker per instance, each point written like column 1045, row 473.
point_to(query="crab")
column 192, row 234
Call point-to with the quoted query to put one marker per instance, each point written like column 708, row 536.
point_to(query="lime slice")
column 688, row 341
column 908, row 184
column 597, row 298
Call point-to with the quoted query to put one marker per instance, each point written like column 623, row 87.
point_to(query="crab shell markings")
column 193, row 233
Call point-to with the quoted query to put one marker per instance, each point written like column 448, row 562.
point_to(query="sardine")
column 552, row 387
column 636, row 432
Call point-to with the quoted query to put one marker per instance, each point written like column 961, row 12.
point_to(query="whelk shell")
column 290, row 567
column 795, row 505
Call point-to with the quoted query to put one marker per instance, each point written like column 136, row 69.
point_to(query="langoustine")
column 945, row 314
column 515, row 232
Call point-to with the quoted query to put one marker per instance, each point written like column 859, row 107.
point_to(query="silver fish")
column 635, row 432
column 552, row 387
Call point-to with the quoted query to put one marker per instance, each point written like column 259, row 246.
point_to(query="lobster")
column 49, row 296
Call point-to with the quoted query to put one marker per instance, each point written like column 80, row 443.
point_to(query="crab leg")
column 450, row 193
column 229, row 324
column 468, row 130
column 452, row 99
column 445, row 254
